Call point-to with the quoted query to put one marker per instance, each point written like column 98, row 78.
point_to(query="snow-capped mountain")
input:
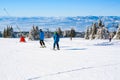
column 80, row 23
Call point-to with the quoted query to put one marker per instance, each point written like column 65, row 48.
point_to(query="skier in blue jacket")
column 41, row 36
column 56, row 40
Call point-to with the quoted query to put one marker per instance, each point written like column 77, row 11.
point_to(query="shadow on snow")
column 76, row 49
column 104, row 44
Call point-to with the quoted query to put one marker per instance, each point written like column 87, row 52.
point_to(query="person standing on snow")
column 56, row 40
column 110, row 38
column 41, row 36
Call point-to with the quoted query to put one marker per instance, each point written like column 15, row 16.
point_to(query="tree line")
column 95, row 31
column 99, row 31
column 33, row 34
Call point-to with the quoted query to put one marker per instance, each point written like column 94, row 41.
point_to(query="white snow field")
column 78, row 59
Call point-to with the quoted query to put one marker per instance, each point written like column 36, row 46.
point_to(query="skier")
column 22, row 38
column 41, row 36
column 56, row 40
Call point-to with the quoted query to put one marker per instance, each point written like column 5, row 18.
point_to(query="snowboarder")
column 41, row 36
column 56, row 41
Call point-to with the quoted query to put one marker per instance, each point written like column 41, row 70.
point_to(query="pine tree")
column 93, row 32
column 87, row 34
column 34, row 33
column 72, row 33
column 100, row 23
column 60, row 32
column 11, row 32
column 0, row 34
column 65, row 33
column 5, row 33
column 117, row 35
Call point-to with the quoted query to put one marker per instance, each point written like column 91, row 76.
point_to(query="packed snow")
column 77, row 59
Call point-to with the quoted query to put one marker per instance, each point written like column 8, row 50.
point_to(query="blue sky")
column 49, row 8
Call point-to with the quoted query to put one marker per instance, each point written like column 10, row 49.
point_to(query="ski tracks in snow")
column 73, row 70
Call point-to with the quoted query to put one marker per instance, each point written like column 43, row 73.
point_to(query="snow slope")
column 78, row 59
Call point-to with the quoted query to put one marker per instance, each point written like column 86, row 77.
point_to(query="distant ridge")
column 80, row 23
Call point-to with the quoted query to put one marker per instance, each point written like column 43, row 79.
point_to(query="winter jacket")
column 56, row 38
column 41, row 35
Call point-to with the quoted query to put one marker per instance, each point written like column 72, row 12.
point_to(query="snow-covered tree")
column 93, row 31
column 34, row 33
column 90, row 30
column 97, row 31
column 102, row 33
column 117, row 35
column 87, row 34
column 66, row 33
column 100, row 23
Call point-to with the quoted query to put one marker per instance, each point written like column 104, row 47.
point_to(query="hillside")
column 78, row 59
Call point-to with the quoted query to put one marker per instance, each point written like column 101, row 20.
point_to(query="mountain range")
column 79, row 23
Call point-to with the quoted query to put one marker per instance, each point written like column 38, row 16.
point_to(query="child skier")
column 41, row 36
column 56, row 40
